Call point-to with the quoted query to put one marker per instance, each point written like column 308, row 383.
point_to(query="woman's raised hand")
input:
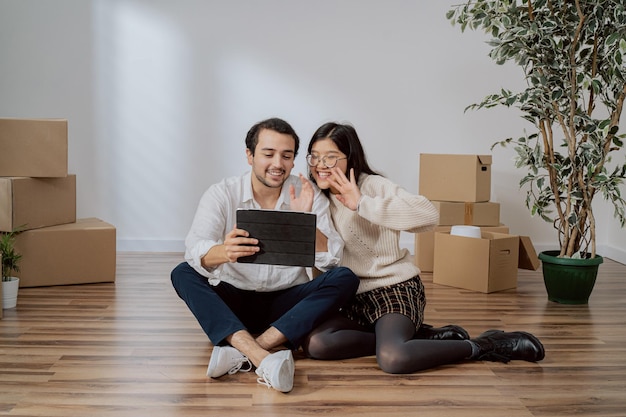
column 349, row 193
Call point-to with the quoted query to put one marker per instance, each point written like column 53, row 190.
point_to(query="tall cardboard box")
column 484, row 265
column 450, row 177
column 30, row 203
column 33, row 147
column 76, row 253
column 424, row 257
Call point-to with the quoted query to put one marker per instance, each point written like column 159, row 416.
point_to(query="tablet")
column 285, row 237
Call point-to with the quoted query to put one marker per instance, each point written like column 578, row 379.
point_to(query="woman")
column 385, row 317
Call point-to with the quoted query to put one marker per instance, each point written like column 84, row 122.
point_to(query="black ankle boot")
column 500, row 346
column 449, row 332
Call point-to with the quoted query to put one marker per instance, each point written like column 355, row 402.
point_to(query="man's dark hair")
column 275, row 124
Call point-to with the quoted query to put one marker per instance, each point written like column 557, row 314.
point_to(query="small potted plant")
column 572, row 54
column 10, row 263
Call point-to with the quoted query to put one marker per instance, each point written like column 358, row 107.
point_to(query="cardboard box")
column 484, row 265
column 460, row 178
column 33, row 147
column 476, row 214
column 30, row 203
column 424, row 257
column 76, row 253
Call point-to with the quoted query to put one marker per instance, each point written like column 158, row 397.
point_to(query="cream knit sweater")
column 372, row 233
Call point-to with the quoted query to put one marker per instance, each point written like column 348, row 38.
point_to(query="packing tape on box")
column 469, row 213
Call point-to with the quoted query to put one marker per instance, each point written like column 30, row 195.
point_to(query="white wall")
column 159, row 96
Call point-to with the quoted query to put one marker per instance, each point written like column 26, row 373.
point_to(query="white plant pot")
column 9, row 292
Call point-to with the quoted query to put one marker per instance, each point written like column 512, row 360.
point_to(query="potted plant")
column 10, row 262
column 572, row 54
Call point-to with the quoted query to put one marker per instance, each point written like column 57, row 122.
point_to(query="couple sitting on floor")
column 368, row 300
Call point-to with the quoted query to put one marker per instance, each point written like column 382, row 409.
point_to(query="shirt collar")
column 248, row 196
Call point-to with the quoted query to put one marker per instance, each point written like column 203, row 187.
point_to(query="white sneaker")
column 227, row 360
column 277, row 370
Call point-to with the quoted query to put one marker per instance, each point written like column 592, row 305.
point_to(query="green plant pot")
column 569, row 281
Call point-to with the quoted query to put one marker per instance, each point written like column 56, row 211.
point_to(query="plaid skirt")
column 406, row 298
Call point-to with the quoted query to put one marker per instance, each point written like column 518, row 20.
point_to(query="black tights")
column 397, row 352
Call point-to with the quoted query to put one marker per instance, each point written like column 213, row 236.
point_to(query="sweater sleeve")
column 387, row 204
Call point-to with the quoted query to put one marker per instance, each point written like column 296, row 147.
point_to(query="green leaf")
column 597, row 86
column 612, row 39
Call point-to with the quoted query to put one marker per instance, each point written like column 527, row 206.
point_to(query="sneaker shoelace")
column 263, row 380
column 239, row 365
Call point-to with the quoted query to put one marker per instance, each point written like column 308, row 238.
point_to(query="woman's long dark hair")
column 348, row 142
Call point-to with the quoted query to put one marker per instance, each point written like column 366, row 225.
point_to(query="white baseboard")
column 605, row 251
column 150, row 245
column 616, row 254
column 407, row 240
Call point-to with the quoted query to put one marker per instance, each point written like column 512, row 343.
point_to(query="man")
column 247, row 310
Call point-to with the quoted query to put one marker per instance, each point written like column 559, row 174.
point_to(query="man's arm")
column 305, row 202
column 207, row 236
column 236, row 244
column 328, row 244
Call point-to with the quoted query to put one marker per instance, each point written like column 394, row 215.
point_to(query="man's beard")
column 265, row 182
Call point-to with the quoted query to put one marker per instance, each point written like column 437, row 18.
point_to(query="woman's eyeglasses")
column 329, row 161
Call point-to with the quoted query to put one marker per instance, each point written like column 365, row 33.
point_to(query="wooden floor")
column 133, row 349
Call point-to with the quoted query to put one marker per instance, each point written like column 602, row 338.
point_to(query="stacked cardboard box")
column 38, row 196
column 460, row 187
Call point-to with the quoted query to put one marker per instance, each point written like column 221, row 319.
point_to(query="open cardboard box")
column 486, row 265
column 424, row 257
